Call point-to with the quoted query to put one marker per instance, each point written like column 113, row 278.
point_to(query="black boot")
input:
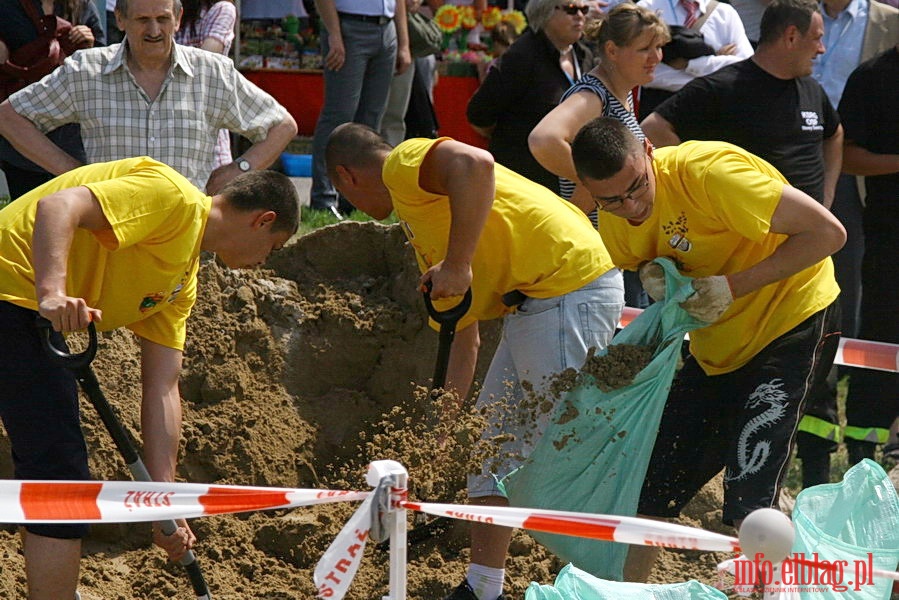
column 858, row 450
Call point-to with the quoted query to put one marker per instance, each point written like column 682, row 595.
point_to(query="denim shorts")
column 39, row 408
column 543, row 337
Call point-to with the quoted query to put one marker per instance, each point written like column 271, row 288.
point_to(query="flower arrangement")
column 463, row 51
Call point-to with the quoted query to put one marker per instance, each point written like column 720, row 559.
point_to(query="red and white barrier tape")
column 627, row 530
column 128, row 501
column 880, row 356
column 133, row 501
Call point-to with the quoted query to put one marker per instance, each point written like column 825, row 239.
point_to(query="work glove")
column 652, row 276
column 711, row 298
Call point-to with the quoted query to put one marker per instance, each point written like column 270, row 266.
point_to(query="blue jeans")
column 357, row 93
column 542, row 338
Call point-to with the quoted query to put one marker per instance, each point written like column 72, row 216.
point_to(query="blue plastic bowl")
column 297, row 165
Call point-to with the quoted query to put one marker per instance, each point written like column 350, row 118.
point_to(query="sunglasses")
column 573, row 9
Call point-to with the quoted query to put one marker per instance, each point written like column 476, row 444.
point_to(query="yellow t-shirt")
column 143, row 273
column 712, row 216
column 533, row 241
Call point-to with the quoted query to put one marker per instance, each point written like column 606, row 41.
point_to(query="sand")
column 296, row 375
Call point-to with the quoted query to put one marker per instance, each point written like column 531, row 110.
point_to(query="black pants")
column 21, row 181
column 39, row 409
column 745, row 421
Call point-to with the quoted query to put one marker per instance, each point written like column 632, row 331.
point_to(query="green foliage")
column 315, row 219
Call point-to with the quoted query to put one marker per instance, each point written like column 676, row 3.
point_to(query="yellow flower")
column 469, row 20
column 516, row 18
column 491, row 17
column 448, row 18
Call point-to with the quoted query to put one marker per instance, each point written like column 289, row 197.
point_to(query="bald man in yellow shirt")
column 476, row 224
column 117, row 244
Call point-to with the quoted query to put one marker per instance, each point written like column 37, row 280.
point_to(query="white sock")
column 486, row 582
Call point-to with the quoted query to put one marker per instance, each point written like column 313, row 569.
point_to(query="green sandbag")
column 574, row 584
column 596, row 461
column 855, row 520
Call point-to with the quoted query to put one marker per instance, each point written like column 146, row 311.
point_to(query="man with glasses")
column 759, row 252
column 527, row 255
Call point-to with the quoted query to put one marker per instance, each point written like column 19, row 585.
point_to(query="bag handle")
column 713, row 4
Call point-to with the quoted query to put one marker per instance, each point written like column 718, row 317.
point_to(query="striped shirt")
column 611, row 107
column 217, row 23
column 202, row 93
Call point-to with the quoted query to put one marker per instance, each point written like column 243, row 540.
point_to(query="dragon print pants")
column 744, row 421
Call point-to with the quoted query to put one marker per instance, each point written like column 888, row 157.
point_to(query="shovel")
column 447, row 319
column 80, row 365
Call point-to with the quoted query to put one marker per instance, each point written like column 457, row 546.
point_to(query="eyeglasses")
column 573, row 9
column 637, row 189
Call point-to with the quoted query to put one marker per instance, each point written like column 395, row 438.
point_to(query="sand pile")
column 292, row 378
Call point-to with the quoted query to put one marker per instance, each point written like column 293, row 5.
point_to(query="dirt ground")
column 296, row 376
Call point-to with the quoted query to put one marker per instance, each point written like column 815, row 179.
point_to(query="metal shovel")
column 80, row 365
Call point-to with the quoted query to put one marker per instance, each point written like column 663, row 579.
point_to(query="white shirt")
column 721, row 28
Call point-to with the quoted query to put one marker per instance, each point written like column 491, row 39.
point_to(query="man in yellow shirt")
column 759, row 250
column 476, row 224
column 116, row 243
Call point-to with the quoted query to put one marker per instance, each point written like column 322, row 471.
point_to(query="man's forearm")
column 463, row 359
column 160, row 409
column 860, row 161
column 32, row 144
column 262, row 154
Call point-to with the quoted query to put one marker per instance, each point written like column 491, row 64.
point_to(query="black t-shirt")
column 783, row 121
column 869, row 108
column 522, row 88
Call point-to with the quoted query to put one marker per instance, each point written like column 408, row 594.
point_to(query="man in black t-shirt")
column 767, row 104
column 870, row 109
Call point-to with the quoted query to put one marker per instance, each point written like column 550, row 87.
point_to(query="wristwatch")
column 243, row 164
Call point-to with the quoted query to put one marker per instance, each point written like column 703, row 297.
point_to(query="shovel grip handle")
column 63, row 358
column 449, row 316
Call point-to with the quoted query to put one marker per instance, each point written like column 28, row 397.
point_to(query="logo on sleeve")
column 150, row 302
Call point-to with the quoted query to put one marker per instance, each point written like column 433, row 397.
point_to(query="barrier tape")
column 135, row 501
column 866, row 354
column 627, row 530
column 131, row 501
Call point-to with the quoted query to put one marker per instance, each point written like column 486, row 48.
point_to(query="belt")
column 376, row 19
column 514, row 299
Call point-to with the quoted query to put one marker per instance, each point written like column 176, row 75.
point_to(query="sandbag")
column 595, row 462
column 574, row 584
column 855, row 520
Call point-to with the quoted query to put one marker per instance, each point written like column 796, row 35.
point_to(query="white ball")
column 769, row 532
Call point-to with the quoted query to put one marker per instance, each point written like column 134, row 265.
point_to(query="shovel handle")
column 450, row 316
column 63, row 358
